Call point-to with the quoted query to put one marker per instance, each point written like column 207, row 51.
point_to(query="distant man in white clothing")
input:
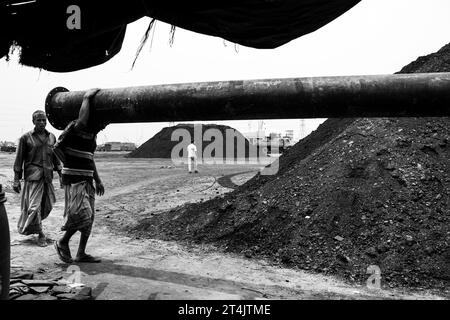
column 192, row 156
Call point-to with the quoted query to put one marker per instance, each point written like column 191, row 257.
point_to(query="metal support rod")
column 5, row 249
column 399, row 95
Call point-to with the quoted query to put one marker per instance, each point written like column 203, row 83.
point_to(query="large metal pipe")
column 294, row 98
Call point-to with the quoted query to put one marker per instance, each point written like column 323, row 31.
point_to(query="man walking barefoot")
column 75, row 148
column 36, row 162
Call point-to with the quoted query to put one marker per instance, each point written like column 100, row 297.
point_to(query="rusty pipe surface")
column 398, row 95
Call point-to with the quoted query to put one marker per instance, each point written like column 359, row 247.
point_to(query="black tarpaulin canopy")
column 39, row 27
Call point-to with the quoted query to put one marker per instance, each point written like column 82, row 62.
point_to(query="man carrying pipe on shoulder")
column 75, row 148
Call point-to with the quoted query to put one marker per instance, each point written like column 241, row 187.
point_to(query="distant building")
column 289, row 134
column 113, row 146
column 101, row 147
column 117, row 146
column 254, row 137
column 273, row 140
column 128, row 146
column 7, row 146
column 274, row 136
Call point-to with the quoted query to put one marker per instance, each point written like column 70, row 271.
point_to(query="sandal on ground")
column 63, row 254
column 88, row 258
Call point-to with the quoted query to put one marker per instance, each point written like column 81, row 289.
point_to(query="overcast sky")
column 374, row 37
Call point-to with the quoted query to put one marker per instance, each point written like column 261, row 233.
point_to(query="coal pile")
column 435, row 62
column 360, row 193
column 161, row 145
column 326, row 132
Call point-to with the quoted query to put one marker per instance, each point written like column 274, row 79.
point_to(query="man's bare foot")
column 41, row 240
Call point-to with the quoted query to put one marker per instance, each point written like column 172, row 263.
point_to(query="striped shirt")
column 75, row 148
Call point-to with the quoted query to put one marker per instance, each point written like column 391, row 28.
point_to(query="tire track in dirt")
column 226, row 181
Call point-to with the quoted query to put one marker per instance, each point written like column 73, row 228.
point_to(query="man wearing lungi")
column 75, row 148
column 35, row 162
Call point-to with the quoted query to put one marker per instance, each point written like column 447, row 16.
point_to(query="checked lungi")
column 79, row 207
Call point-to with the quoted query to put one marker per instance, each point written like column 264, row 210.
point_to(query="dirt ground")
column 134, row 268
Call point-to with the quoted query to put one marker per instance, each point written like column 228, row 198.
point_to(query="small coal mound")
column 353, row 194
column 161, row 145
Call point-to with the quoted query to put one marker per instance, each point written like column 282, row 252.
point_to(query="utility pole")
column 302, row 129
